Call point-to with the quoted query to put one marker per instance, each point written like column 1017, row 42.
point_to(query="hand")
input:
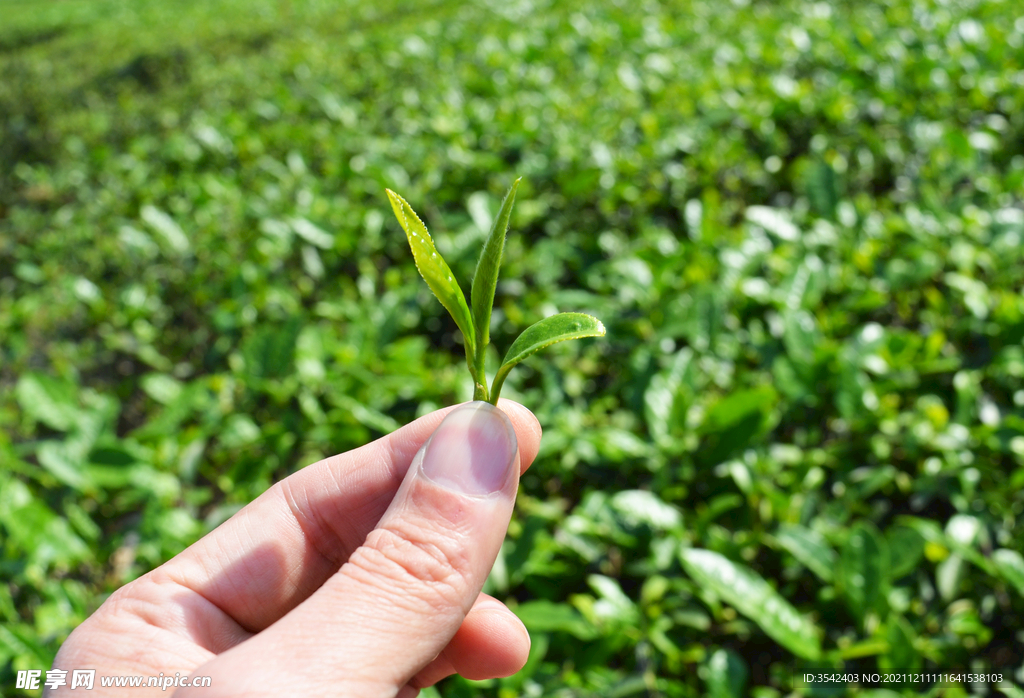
column 357, row 576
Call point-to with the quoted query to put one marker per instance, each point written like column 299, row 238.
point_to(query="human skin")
column 359, row 575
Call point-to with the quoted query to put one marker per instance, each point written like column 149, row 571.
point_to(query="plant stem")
column 479, row 375
column 499, row 380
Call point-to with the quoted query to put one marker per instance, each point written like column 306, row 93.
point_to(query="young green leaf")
column 436, row 273
column 485, row 279
column 548, row 331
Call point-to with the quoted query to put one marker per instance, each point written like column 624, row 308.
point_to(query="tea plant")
column 811, row 244
column 475, row 323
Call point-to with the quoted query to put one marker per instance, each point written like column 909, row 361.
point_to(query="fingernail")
column 472, row 450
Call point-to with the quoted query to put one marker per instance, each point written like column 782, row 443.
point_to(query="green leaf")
column 367, row 416
column 1008, row 689
column 948, row 575
column 822, row 189
column 270, row 351
column 60, row 462
column 47, row 400
column 952, row 539
column 906, row 547
column 901, row 654
column 752, row 596
column 737, row 408
column 662, row 400
column 548, row 331
column 312, row 233
column 1011, row 567
column 161, row 387
column 435, row 271
column 547, row 617
column 629, row 686
column 810, row 548
column 642, row 507
column 725, row 674
column 485, row 279
column 612, row 603
column 736, row 420
column 863, row 570
column 20, row 640
column 166, row 227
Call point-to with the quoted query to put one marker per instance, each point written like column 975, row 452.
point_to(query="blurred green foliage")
column 802, row 439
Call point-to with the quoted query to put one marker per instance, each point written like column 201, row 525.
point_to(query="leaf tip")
column 396, row 206
column 598, row 330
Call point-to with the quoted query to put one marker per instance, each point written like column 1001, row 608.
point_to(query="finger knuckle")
column 430, row 569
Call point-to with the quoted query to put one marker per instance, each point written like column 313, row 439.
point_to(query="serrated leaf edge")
column 403, row 210
column 508, row 364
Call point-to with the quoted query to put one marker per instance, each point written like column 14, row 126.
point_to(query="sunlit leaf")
column 548, row 331
column 643, row 507
column 487, row 268
column 166, row 228
column 434, row 270
column 612, row 603
column 48, row 400
column 752, row 596
column 962, row 526
column 312, row 233
column 726, row 674
column 63, row 465
column 161, row 387
column 774, row 220
column 799, row 259
column 1011, row 567
column 1009, row 690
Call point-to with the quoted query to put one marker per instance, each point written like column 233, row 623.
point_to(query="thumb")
column 402, row 595
column 420, row 571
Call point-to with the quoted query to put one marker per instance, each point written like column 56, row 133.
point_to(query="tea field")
column 801, row 442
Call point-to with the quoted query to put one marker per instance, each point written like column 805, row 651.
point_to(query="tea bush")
column 801, row 442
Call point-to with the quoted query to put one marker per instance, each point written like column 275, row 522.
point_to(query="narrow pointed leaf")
column 486, row 277
column 751, row 595
column 548, row 331
column 434, row 270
